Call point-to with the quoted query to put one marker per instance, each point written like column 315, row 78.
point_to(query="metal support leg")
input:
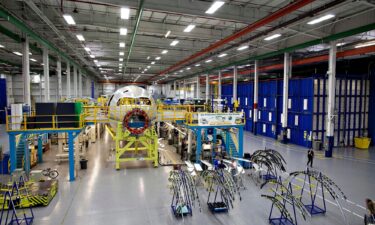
column 12, row 151
column 71, row 156
column 199, row 145
column 240, row 142
column 40, row 149
column 27, row 157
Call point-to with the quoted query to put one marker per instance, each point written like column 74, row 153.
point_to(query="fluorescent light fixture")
column 148, row 66
column 30, row 53
column 167, row 34
column 321, row 19
column 80, row 37
column 42, row 64
column 148, row 57
column 125, row 13
column 87, row 49
column 181, row 71
column 366, row 44
column 340, row 44
column 121, row 59
column 243, row 47
column 157, row 58
column 215, row 6
column 17, row 53
column 223, row 55
column 189, row 28
column 121, row 53
column 164, row 52
column 95, row 61
column 146, row 69
column 153, row 62
column 188, row 68
column 197, row 65
column 143, row 72
column 69, row 19
column 92, row 56
column 34, row 60
column 272, row 37
column 209, row 60
column 123, row 31
column 174, row 43
column 122, row 44
column 120, row 64
column 2, row 46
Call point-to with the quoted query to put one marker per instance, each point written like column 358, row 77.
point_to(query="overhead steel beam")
column 293, row 48
column 229, row 13
column 41, row 15
column 260, row 23
column 24, row 28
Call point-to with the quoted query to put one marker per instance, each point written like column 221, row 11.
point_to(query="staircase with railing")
column 20, row 150
column 231, row 143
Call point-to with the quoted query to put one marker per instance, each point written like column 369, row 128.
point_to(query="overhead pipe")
column 293, row 48
column 139, row 15
column 268, row 19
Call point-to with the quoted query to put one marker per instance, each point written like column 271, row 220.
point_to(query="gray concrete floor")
column 101, row 195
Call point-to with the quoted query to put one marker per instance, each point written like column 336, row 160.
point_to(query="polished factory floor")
column 102, row 195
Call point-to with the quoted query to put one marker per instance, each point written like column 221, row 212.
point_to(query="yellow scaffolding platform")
column 131, row 147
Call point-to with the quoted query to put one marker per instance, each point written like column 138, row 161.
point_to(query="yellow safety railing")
column 48, row 122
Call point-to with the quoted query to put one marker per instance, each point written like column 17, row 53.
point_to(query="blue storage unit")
column 3, row 100
column 371, row 122
column 352, row 107
column 307, row 108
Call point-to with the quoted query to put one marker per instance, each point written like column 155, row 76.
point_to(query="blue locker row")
column 270, row 106
column 308, row 100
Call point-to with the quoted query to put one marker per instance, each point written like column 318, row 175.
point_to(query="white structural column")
column 255, row 106
column 26, row 71
column 190, row 134
column 207, row 88
column 46, row 74
column 88, row 86
column 284, row 121
column 80, row 83
column 331, row 99
column 235, row 84
column 175, row 88
column 68, row 80
column 75, row 83
column 185, row 89
column 59, row 85
column 219, row 85
column 198, row 87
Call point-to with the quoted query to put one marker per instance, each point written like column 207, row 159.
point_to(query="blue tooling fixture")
column 232, row 149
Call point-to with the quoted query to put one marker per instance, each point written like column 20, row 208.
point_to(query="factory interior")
column 127, row 112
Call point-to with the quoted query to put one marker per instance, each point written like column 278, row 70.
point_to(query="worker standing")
column 370, row 217
column 310, row 157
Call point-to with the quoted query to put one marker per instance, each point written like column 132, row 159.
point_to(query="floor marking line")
column 335, row 156
column 71, row 202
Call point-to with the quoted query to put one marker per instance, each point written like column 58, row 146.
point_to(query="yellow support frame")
column 148, row 141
